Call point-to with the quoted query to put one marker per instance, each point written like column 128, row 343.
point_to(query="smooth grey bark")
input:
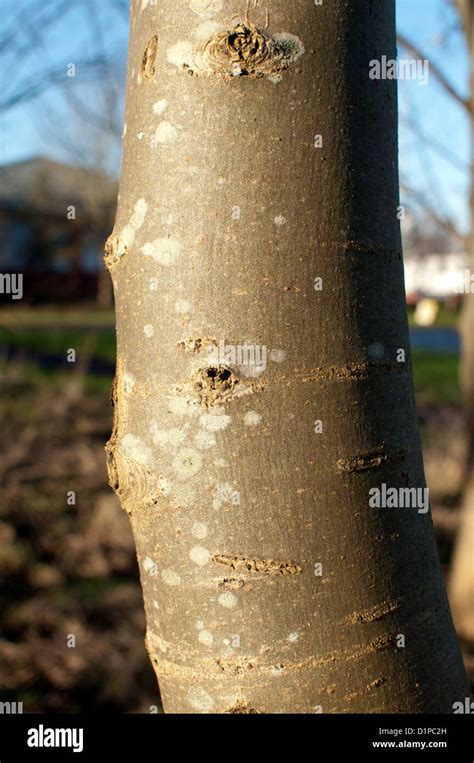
column 270, row 584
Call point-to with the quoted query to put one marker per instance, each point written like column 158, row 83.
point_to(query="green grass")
column 436, row 378
column 52, row 316
column 57, row 341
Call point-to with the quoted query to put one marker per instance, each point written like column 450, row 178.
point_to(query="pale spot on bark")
column 206, row 638
column 199, row 530
column 182, row 306
column 136, row 221
column 160, row 106
column 148, row 330
column 200, row 699
column 128, row 382
column 214, row 422
column 280, row 220
column 187, row 463
column 181, row 54
column 228, row 600
column 252, row 419
column 180, row 406
column 164, row 133
column 149, row 564
column 294, row 636
column 206, row 8
column 171, row 578
column 164, row 251
column 134, row 449
column 164, row 438
column 204, row 440
column 206, row 30
column 225, row 493
column 200, row 556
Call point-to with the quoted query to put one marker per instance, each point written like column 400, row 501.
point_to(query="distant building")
column 440, row 276
column 54, row 219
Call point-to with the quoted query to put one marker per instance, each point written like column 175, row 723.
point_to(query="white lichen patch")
column 145, row 4
column 132, row 448
column 153, row 283
column 127, row 236
column 293, row 637
column 184, row 495
column 158, row 642
column 252, row 419
column 182, row 306
column 160, row 106
column 164, row 251
column 181, row 406
column 280, row 220
column 187, row 463
column 128, row 382
column 206, row 30
column 228, row 600
column 148, row 330
column 204, row 440
column 200, row 699
column 164, row 133
column 206, row 638
column 181, row 55
column 216, row 421
column 199, row 530
column 171, row 578
column 225, row 494
column 149, row 565
column 165, row 438
column 206, row 8
column 200, row 556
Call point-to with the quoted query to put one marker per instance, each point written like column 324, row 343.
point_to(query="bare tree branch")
column 443, row 222
column 436, row 71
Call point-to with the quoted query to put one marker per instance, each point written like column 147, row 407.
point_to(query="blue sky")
column 44, row 126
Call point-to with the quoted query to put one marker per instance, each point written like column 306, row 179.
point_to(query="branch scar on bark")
column 356, row 371
column 264, row 566
column 149, row 58
column 243, row 51
column 376, row 612
column 213, row 386
column 114, row 250
column 373, row 460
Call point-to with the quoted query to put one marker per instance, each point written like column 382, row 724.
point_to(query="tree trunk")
column 461, row 586
column 256, row 405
